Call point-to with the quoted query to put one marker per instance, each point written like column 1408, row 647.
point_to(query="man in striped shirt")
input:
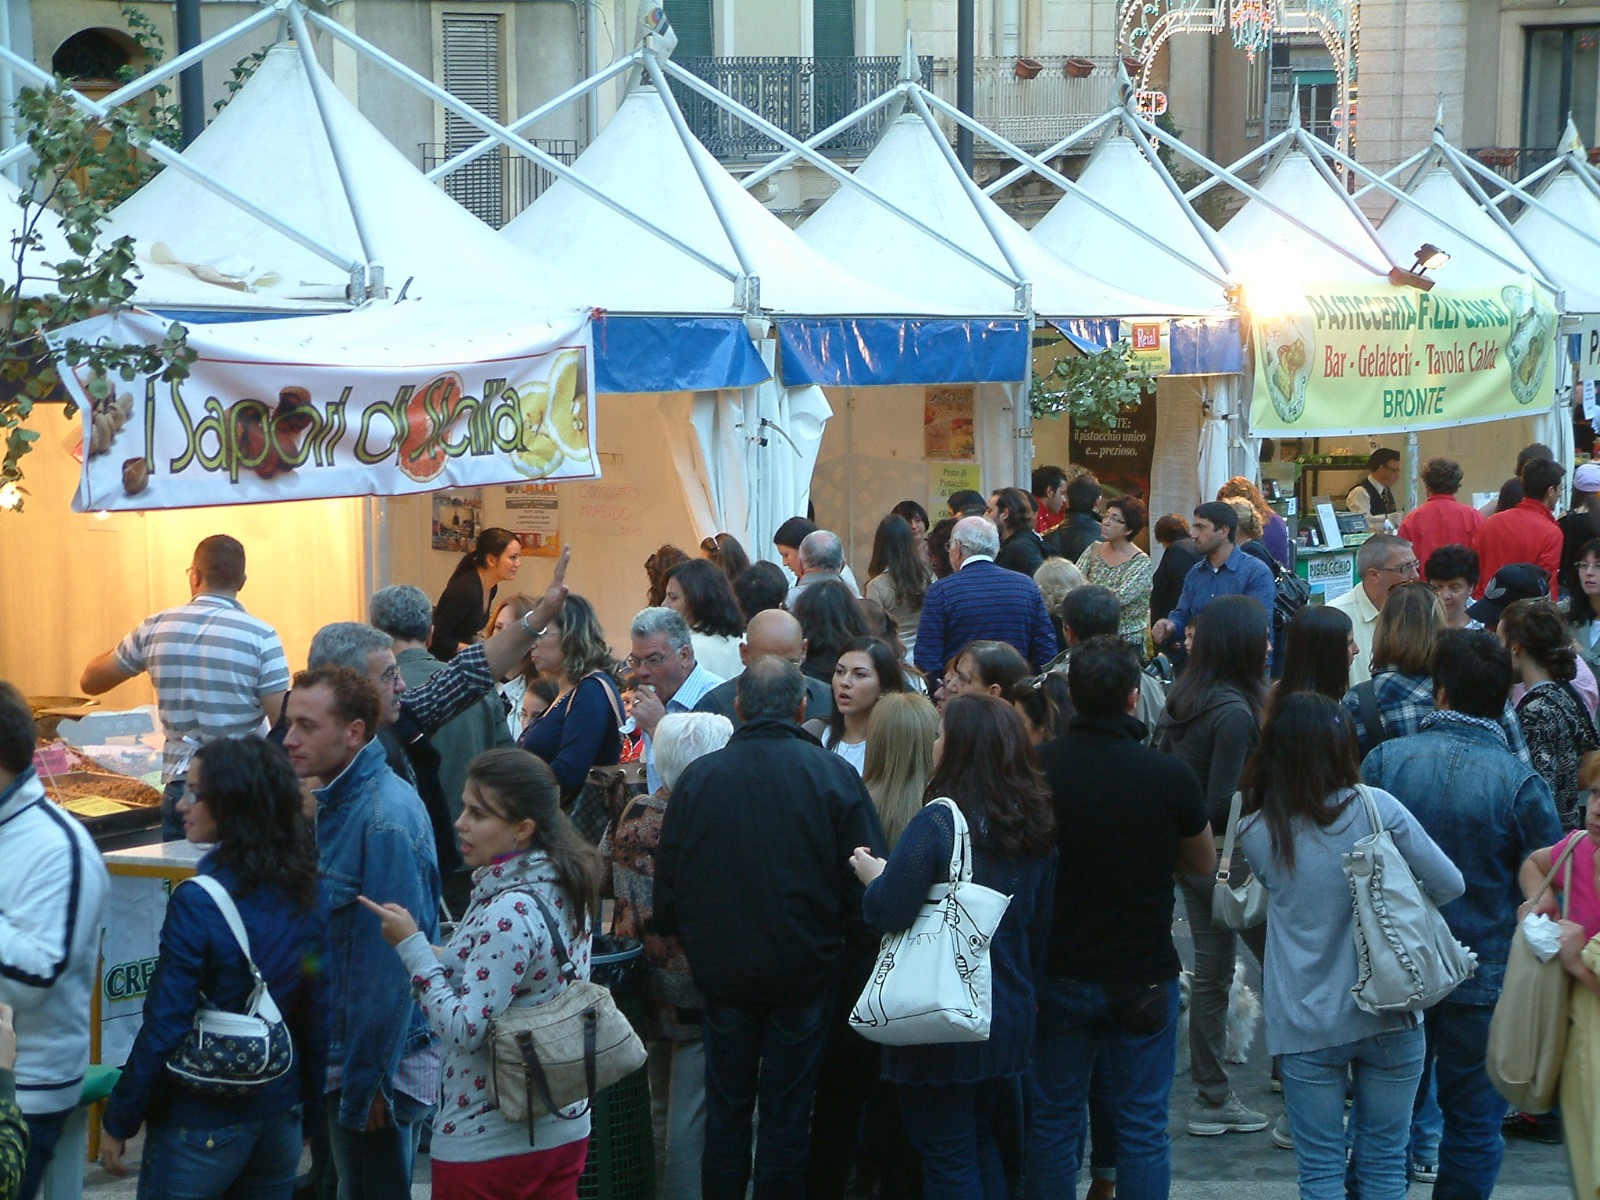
column 217, row 671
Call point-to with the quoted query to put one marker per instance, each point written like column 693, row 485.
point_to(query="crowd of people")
column 416, row 831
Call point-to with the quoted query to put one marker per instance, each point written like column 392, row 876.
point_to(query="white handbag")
column 931, row 982
column 1406, row 957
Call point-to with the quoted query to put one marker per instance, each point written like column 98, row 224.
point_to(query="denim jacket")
column 375, row 840
column 1488, row 810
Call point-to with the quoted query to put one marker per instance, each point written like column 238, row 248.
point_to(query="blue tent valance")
column 881, row 351
column 1200, row 345
column 674, row 354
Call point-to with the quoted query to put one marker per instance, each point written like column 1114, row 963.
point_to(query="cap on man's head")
column 1516, row 581
column 1587, row 478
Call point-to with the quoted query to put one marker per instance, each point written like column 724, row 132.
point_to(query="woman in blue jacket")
column 241, row 795
column 953, row 1096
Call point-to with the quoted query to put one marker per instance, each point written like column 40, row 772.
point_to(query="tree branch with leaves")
column 1093, row 389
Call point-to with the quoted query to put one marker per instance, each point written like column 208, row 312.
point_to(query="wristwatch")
column 536, row 634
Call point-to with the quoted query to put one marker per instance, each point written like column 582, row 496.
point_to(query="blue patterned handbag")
column 227, row 1053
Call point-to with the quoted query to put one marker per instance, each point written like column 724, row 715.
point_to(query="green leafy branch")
column 1093, row 389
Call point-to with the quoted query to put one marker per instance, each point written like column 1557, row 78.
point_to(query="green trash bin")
column 622, row 1161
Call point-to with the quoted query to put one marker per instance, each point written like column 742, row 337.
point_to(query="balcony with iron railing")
column 501, row 183
column 1032, row 102
column 1513, row 162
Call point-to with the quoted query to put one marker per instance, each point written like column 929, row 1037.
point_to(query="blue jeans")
column 44, row 1133
column 255, row 1160
column 1138, row 1031
column 377, row 1165
column 1427, row 1121
column 769, row 1053
column 1471, row 1149
column 951, row 1125
column 1385, row 1068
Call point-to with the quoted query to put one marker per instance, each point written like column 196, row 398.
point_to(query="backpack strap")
column 1371, row 716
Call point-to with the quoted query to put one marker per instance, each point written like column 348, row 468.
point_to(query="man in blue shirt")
column 1224, row 570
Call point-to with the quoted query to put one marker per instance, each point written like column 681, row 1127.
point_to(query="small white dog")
column 1244, row 1013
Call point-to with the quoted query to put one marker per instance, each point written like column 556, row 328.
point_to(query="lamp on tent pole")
column 965, row 19
column 829, row 168
column 169, row 157
column 521, row 145
column 191, row 83
column 748, row 286
column 162, row 71
column 589, row 89
column 374, row 289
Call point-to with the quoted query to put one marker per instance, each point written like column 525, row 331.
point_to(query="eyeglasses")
column 390, row 676
column 190, row 796
column 1406, row 568
column 634, row 662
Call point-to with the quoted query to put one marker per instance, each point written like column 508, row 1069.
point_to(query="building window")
column 691, row 21
column 1563, row 71
column 833, row 28
column 473, row 70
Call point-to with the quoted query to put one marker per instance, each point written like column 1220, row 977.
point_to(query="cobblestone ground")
column 1231, row 1167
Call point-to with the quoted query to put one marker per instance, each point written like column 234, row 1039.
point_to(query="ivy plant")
column 1093, row 389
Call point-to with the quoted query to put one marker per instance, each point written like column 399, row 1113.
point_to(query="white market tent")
column 279, row 143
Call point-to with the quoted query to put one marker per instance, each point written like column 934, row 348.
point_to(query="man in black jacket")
column 1081, row 526
column 753, row 875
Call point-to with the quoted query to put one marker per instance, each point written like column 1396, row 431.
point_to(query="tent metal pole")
column 817, row 139
column 1394, row 172
column 749, row 287
column 1475, row 190
column 835, row 172
column 1207, row 234
column 1471, row 168
column 375, row 288
column 171, row 158
column 1312, row 149
column 1225, row 174
column 1024, row 298
column 1051, row 175
column 587, row 89
column 1073, row 139
column 1267, row 147
column 499, row 133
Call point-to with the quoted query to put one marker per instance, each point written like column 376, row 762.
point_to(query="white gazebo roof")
column 270, row 146
column 909, row 168
column 1574, row 262
column 1451, row 212
column 639, row 161
column 1264, row 245
column 1119, row 176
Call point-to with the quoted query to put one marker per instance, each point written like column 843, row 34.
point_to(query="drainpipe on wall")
column 191, row 82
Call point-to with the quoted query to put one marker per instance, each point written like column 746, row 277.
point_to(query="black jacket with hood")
column 1215, row 738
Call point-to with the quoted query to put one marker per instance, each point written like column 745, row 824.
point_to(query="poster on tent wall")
column 1376, row 359
column 1122, row 454
column 257, row 422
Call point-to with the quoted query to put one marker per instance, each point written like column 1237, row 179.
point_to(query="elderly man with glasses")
column 668, row 680
column 1383, row 563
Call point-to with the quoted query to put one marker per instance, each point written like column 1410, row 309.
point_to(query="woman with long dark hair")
column 655, row 568
column 241, row 797
column 1212, row 723
column 581, row 728
column 1554, row 720
column 463, row 608
column 949, row 1092
column 992, row 668
column 1321, row 645
column 700, row 593
column 829, row 617
column 1306, row 814
column 1583, row 604
column 866, row 671
column 528, row 861
column 727, row 553
column 898, row 576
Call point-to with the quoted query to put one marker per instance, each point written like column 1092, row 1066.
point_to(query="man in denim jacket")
column 374, row 839
column 1488, row 810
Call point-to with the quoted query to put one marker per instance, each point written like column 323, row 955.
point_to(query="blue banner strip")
column 880, row 351
column 674, row 354
column 1198, row 346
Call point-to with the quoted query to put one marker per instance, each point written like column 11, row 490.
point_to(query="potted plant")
column 1078, row 68
column 1498, row 156
column 1027, row 68
column 1132, row 65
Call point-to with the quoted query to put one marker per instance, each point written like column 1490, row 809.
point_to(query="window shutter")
column 833, row 28
column 472, row 74
column 691, row 21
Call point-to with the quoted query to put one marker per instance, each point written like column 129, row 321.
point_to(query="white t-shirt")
column 853, row 753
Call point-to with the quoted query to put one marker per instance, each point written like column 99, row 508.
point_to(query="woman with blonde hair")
column 900, row 737
column 1274, row 529
column 1056, row 578
column 582, row 728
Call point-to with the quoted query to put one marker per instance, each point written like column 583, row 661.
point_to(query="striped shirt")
column 211, row 663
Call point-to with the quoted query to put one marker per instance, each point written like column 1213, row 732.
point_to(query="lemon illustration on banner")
column 569, row 406
column 536, row 454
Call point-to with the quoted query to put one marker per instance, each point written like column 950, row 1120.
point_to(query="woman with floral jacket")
column 521, row 845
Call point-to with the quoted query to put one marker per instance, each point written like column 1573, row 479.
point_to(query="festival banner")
column 382, row 403
column 1122, row 454
column 1376, row 359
